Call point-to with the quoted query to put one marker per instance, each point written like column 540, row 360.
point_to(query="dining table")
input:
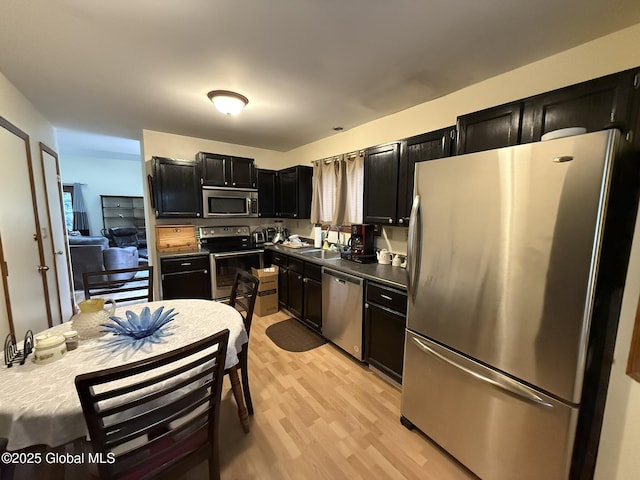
column 39, row 404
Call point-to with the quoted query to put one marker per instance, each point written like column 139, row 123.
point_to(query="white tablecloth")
column 39, row 404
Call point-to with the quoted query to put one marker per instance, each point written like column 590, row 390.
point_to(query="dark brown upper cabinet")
column 381, row 167
column 491, row 128
column 294, row 192
column 226, row 171
column 598, row 104
column 428, row 146
column 606, row 102
column 176, row 188
column 266, row 183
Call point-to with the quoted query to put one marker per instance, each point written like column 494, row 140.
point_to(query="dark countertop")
column 385, row 274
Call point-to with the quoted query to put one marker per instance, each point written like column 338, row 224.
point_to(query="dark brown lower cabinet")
column 313, row 296
column 186, row 277
column 283, row 286
column 296, row 293
column 385, row 321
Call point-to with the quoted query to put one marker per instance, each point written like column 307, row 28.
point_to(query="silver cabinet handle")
column 387, row 297
column 43, row 268
column 506, row 384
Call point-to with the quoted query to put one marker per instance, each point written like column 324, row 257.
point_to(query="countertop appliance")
column 361, row 240
column 231, row 249
column 223, row 202
column 342, row 310
column 513, row 283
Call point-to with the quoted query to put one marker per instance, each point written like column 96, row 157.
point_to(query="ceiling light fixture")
column 229, row 103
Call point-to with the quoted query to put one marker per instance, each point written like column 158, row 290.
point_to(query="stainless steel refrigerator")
column 504, row 250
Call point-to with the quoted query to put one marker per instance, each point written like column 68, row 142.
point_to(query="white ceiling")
column 116, row 67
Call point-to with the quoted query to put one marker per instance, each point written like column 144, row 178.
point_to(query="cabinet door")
column 491, row 128
column 384, row 340
column 196, row 284
column 185, row 277
column 381, row 166
column 266, row 181
column 287, row 193
column 283, row 287
column 313, row 303
column 595, row 105
column 216, row 169
column 296, row 293
column 176, row 188
column 428, row 146
column 242, row 173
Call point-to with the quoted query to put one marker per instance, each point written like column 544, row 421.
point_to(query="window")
column 67, row 201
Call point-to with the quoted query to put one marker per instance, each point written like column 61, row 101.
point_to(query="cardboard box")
column 267, row 299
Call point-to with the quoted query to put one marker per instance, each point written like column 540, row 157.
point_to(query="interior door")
column 56, row 251
column 24, row 284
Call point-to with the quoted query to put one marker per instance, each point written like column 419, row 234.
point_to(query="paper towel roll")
column 317, row 237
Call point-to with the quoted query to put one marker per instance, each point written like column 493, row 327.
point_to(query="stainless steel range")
column 231, row 249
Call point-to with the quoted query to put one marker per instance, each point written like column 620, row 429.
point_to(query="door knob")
column 59, row 252
column 43, row 268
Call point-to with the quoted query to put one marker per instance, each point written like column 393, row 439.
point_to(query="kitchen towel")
column 317, row 237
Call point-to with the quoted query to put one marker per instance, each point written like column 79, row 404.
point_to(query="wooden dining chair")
column 243, row 298
column 123, row 285
column 157, row 417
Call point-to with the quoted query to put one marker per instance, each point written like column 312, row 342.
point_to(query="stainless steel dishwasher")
column 342, row 310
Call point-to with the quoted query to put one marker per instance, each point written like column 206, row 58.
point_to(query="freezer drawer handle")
column 507, row 385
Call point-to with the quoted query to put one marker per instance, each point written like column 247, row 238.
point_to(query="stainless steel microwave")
column 229, row 202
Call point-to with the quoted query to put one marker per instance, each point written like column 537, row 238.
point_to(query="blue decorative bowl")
column 139, row 329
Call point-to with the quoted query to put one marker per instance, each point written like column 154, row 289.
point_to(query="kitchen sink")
column 322, row 254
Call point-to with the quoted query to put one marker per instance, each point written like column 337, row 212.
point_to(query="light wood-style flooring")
column 321, row 415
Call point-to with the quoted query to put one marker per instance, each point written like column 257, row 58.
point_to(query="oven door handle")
column 236, row 254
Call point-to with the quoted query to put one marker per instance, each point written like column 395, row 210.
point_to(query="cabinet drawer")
column 296, row 265
column 184, row 264
column 311, row 270
column 280, row 260
column 387, row 297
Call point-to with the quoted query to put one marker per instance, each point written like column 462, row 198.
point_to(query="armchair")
column 91, row 254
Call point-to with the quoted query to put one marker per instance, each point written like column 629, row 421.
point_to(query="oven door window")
column 227, row 205
column 226, row 268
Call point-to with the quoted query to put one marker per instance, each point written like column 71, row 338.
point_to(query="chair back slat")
column 123, row 285
column 158, row 414
column 243, row 296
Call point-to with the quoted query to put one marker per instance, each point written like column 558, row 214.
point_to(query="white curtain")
column 326, row 190
column 354, row 180
column 338, row 189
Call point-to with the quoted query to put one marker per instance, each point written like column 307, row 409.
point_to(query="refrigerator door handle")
column 505, row 384
column 413, row 248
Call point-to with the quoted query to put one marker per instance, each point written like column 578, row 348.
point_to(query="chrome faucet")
column 339, row 242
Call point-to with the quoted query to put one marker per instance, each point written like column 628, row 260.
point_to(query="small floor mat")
column 291, row 336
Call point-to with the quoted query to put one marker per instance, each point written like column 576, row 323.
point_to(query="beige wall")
column 161, row 144
column 610, row 54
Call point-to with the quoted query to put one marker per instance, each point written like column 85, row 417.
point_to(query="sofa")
column 93, row 254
